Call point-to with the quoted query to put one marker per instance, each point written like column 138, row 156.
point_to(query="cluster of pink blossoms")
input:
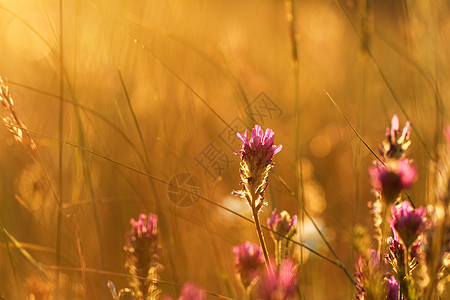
column 279, row 284
column 408, row 222
column 282, row 224
column 390, row 177
column 394, row 173
column 143, row 264
column 258, row 150
column 256, row 161
column 278, row 279
column 144, row 228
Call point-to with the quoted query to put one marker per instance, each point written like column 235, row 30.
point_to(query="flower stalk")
column 143, row 256
column 256, row 161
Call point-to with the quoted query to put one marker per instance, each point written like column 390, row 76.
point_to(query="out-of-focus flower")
column 447, row 133
column 191, row 292
column 408, row 222
column 145, row 228
column 249, row 261
column 392, row 288
column 282, row 224
column 360, row 278
column 280, row 284
column 367, row 274
column 143, row 255
column 416, row 250
column 396, row 142
column 398, row 251
column 392, row 178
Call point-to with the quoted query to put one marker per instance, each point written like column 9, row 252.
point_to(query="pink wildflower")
column 393, row 177
column 408, row 222
column 259, row 149
column 447, row 133
column 282, row 224
column 256, row 154
column 392, row 289
column 396, row 142
column 145, row 228
column 360, row 278
column 279, row 284
column 366, row 268
column 143, row 255
column 249, row 260
column 191, row 292
column 398, row 251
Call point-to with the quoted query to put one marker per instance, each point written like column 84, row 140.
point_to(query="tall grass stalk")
column 60, row 144
column 295, row 65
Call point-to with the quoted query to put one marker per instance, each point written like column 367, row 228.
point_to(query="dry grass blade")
column 26, row 254
column 102, row 272
column 33, row 247
column 353, row 128
column 12, row 120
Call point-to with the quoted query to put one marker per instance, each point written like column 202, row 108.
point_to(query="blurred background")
column 129, row 100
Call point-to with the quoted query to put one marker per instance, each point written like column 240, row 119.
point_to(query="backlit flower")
column 392, row 288
column 249, row 260
column 258, row 150
column 408, row 222
column 280, row 284
column 143, row 255
column 191, row 292
column 396, row 141
column 393, row 177
column 397, row 250
column 256, row 155
column 282, row 224
column 367, row 267
column 145, row 227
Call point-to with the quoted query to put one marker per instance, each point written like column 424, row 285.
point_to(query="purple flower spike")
column 396, row 142
column 256, row 161
column 191, row 292
column 392, row 178
column 279, row 284
column 396, row 248
column 408, row 222
column 249, row 260
column 366, row 267
column 259, row 149
column 143, row 256
column 145, row 228
column 392, row 289
column 282, row 224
